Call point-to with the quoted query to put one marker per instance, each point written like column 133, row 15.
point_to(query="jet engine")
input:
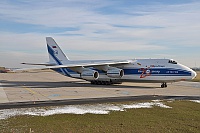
column 89, row 74
column 115, row 72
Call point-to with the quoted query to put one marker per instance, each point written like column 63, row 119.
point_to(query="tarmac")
column 47, row 88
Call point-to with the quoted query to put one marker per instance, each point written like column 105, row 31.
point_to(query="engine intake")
column 89, row 74
column 115, row 73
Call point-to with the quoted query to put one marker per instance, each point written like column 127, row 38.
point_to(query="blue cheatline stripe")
column 170, row 74
column 159, row 72
column 162, row 72
column 64, row 70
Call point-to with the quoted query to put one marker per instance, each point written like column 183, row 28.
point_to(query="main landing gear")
column 97, row 82
column 101, row 82
column 163, row 85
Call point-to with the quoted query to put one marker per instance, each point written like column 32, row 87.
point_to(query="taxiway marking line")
column 34, row 92
column 28, row 89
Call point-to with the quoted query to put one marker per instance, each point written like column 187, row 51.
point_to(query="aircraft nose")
column 194, row 74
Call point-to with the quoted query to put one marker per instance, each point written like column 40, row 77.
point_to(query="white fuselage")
column 140, row 70
column 104, row 71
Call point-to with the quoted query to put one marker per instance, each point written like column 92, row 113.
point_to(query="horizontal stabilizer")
column 40, row 64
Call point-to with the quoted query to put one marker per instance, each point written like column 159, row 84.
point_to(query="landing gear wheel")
column 92, row 82
column 163, row 85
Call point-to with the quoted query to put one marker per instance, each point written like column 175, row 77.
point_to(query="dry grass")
column 197, row 79
column 183, row 117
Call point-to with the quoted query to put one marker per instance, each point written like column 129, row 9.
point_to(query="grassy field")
column 197, row 79
column 184, row 116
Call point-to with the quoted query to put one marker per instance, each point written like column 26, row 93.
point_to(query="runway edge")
column 29, row 104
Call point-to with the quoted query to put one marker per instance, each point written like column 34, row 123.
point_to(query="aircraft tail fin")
column 56, row 55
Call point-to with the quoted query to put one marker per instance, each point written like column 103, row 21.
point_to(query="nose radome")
column 194, row 74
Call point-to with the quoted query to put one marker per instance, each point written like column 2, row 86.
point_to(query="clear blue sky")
column 100, row 29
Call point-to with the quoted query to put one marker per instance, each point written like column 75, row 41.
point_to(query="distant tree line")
column 196, row 69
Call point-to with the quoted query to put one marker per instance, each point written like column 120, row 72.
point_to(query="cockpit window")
column 172, row 62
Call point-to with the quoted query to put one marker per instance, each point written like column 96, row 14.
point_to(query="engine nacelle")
column 89, row 75
column 115, row 73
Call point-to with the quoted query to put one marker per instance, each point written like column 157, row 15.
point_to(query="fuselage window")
column 172, row 62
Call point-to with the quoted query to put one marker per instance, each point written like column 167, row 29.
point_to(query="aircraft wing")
column 74, row 65
column 91, row 64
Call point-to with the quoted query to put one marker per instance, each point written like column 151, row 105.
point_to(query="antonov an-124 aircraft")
column 106, row 72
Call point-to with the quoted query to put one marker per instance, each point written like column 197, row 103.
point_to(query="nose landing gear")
column 163, row 85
